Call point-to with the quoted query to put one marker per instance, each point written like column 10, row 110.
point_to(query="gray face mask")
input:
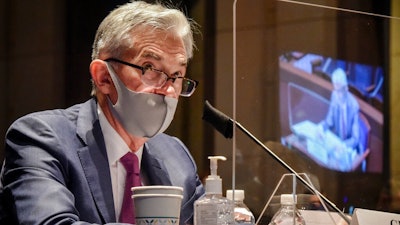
column 141, row 114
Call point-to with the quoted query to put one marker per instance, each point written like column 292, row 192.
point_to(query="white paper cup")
column 157, row 189
column 157, row 209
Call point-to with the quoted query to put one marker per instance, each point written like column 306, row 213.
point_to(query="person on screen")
column 343, row 113
column 66, row 166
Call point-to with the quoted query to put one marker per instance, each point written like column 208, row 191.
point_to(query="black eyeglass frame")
column 144, row 69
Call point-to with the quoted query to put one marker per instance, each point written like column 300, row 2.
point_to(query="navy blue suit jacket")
column 332, row 120
column 56, row 169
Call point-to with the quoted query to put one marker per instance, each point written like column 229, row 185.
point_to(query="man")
column 67, row 167
column 342, row 118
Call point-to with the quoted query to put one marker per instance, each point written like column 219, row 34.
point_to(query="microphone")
column 224, row 125
column 220, row 121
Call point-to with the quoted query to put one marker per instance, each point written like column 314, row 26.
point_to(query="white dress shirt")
column 116, row 148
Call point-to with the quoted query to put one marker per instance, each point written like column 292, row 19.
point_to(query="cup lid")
column 156, row 187
column 156, row 195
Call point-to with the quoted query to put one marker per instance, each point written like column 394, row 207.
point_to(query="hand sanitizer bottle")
column 243, row 215
column 213, row 208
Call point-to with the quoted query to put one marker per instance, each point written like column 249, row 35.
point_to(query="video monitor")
column 333, row 109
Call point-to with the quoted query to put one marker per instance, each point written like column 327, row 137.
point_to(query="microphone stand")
column 224, row 124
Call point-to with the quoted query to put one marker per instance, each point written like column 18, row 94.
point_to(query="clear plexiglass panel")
column 311, row 83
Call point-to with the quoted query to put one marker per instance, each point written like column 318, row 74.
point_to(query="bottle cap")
column 288, row 199
column 239, row 195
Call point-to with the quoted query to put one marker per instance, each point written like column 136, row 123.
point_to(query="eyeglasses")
column 157, row 78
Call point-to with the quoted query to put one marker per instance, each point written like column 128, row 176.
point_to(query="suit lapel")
column 94, row 162
column 154, row 168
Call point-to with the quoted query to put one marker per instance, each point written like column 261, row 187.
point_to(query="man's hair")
column 339, row 77
column 114, row 34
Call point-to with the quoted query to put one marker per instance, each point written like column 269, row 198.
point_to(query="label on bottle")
column 243, row 216
column 206, row 214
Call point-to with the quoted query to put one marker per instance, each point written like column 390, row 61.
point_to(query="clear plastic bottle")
column 288, row 214
column 243, row 215
column 213, row 208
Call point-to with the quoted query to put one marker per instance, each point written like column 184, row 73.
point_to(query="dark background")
column 45, row 49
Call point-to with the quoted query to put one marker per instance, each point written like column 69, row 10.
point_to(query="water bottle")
column 288, row 214
column 243, row 215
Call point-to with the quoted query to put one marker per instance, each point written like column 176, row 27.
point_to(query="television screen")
column 333, row 109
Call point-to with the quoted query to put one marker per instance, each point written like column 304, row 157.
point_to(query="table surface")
column 323, row 149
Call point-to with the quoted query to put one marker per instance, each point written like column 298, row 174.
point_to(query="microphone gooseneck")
column 224, row 125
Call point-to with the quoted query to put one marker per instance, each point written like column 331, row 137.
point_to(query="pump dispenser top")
column 214, row 181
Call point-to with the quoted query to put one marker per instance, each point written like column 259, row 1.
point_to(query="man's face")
column 161, row 51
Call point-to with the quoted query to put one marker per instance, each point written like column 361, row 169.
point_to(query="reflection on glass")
column 286, row 53
column 334, row 131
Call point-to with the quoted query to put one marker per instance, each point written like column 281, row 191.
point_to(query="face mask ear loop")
column 114, row 78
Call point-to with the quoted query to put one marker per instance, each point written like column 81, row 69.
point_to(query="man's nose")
column 167, row 89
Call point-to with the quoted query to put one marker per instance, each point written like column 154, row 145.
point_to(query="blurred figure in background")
column 343, row 115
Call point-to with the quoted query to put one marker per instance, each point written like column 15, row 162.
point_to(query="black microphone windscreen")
column 218, row 120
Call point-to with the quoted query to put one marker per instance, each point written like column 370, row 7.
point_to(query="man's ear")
column 100, row 76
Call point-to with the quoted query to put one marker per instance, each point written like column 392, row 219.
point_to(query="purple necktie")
column 131, row 164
